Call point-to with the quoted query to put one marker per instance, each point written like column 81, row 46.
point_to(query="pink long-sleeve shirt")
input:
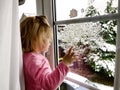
column 38, row 74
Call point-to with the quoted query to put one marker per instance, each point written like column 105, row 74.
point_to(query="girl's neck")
column 36, row 51
column 42, row 53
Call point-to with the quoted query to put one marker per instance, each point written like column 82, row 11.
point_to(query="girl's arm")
column 47, row 79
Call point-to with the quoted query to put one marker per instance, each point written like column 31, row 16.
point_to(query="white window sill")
column 79, row 82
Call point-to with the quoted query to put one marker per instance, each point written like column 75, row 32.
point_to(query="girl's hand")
column 69, row 57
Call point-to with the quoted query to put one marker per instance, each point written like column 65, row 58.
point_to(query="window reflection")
column 84, row 8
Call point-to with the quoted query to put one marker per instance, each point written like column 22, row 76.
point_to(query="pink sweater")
column 38, row 74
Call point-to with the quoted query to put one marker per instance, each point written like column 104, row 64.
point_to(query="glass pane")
column 94, row 49
column 69, row 9
column 29, row 7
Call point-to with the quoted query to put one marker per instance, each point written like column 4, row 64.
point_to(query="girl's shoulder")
column 33, row 59
column 33, row 55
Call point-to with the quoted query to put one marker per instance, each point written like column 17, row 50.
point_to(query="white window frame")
column 47, row 7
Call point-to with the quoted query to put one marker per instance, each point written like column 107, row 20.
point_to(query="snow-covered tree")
column 105, row 56
column 100, row 36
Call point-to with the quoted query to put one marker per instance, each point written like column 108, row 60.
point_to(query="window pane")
column 94, row 49
column 69, row 9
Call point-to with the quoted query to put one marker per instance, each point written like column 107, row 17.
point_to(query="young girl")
column 36, row 36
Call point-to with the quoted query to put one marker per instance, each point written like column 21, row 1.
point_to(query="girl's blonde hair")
column 35, row 29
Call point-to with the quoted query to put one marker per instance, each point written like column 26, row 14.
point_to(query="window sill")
column 79, row 83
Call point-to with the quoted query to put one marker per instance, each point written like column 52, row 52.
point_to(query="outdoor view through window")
column 94, row 41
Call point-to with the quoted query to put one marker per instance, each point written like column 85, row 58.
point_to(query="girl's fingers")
column 72, row 54
column 70, row 50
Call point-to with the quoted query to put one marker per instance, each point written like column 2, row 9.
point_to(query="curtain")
column 11, row 72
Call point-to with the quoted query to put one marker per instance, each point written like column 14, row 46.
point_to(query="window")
column 94, row 49
column 92, row 29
